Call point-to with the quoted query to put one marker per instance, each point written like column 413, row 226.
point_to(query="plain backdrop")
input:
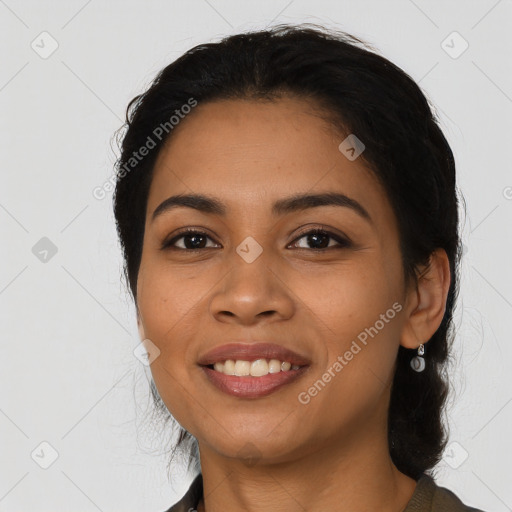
column 73, row 396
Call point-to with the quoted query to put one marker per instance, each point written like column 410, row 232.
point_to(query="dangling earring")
column 417, row 362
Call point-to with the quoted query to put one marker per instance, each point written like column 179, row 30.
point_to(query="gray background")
column 68, row 373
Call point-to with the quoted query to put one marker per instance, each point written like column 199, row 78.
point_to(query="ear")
column 426, row 302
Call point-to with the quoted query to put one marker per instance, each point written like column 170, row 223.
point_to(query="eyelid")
column 172, row 239
column 341, row 239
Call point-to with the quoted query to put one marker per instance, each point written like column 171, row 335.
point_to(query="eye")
column 192, row 240
column 319, row 238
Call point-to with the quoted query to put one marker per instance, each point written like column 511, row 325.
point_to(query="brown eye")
column 316, row 239
column 320, row 239
column 192, row 240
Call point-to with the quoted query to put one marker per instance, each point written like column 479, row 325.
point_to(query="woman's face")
column 255, row 276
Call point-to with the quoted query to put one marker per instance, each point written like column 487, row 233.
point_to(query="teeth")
column 274, row 366
column 257, row 368
column 229, row 367
column 242, row 368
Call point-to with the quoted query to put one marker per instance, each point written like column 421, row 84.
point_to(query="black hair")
column 362, row 93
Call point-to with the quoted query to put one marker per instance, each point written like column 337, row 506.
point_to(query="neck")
column 355, row 475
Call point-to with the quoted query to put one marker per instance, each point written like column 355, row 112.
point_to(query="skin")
column 329, row 454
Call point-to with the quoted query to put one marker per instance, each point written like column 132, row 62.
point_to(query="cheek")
column 169, row 309
column 165, row 300
column 357, row 309
column 349, row 298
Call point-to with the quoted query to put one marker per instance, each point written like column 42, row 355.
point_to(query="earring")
column 417, row 362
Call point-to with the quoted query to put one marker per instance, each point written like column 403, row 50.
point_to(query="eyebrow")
column 295, row 203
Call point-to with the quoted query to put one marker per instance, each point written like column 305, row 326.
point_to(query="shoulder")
column 430, row 497
column 427, row 497
column 190, row 500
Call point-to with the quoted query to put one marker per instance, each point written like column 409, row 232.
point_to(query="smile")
column 249, row 386
column 257, row 368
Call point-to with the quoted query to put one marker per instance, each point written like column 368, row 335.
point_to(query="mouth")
column 255, row 368
column 247, row 386
column 252, row 370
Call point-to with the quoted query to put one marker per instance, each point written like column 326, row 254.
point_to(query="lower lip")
column 252, row 387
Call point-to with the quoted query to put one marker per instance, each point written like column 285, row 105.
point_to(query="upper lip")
column 251, row 352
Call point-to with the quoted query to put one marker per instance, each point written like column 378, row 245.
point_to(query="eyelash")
column 344, row 243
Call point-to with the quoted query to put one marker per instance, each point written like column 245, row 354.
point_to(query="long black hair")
column 363, row 93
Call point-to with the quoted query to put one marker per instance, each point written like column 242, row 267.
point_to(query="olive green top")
column 427, row 497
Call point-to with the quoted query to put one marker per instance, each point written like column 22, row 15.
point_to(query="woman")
column 287, row 208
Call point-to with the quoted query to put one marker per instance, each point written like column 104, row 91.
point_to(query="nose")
column 252, row 293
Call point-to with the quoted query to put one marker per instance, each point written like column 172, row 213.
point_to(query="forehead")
column 247, row 152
